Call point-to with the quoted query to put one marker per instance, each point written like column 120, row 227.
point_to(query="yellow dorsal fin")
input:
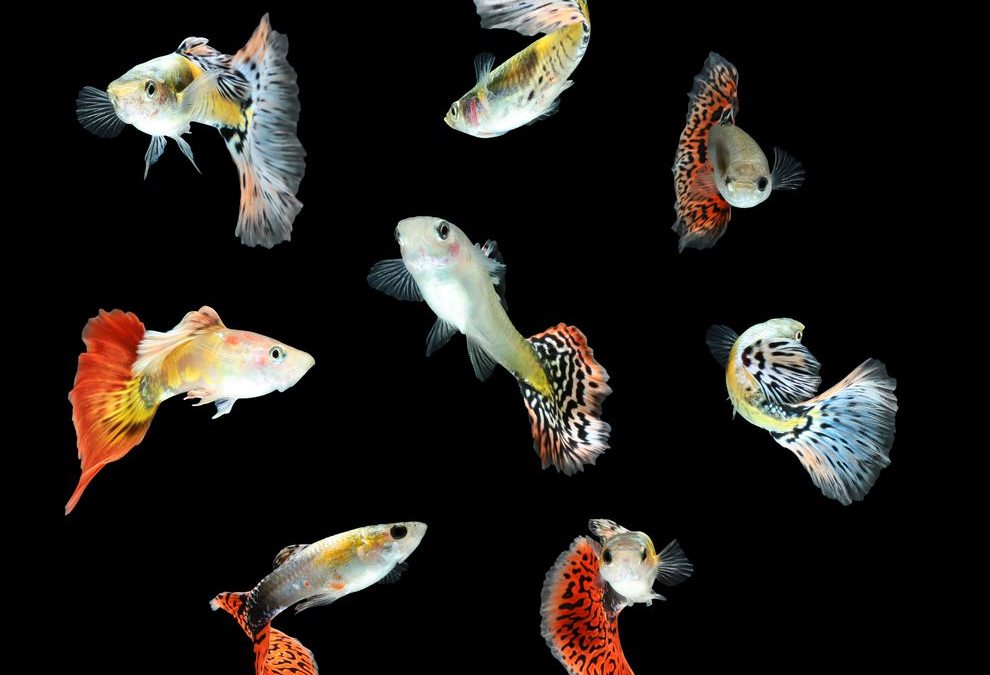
column 156, row 345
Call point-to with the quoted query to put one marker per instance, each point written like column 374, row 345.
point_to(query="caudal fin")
column 109, row 408
column 844, row 437
column 275, row 652
column 580, row 631
column 702, row 213
column 568, row 431
column 268, row 155
column 530, row 18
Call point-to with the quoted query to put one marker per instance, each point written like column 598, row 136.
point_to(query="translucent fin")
column 787, row 174
column 605, row 529
column 483, row 364
column 674, row 565
column 720, row 341
column 95, row 112
column 439, row 335
column 531, row 17
column 155, row 150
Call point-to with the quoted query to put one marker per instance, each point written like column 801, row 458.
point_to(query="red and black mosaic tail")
column 275, row 652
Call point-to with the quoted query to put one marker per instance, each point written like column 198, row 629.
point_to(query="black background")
column 581, row 207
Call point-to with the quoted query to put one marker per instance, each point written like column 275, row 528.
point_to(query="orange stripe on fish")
column 702, row 213
column 236, row 604
column 109, row 412
column 576, row 624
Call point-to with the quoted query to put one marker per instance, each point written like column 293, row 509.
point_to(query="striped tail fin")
column 275, row 652
column 580, row 629
column 844, row 436
column 110, row 409
column 531, row 18
column 269, row 157
column 568, row 431
column 702, row 213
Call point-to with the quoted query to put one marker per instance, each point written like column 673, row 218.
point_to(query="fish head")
column 782, row 328
column 747, row 182
column 467, row 113
column 263, row 364
column 395, row 542
column 431, row 245
column 146, row 96
column 628, row 561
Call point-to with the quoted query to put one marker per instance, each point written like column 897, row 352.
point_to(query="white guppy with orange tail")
column 250, row 97
column 842, row 436
column 126, row 372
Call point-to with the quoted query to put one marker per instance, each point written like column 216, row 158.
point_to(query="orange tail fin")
column 108, row 410
column 568, row 431
column 279, row 654
column 580, row 631
column 702, row 213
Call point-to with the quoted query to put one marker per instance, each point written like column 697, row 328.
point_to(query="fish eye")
column 607, row 557
column 798, row 336
column 149, row 88
column 453, row 110
column 443, row 229
column 642, row 556
column 277, row 353
column 398, row 531
column 761, row 184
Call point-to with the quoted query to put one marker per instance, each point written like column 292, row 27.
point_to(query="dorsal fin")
column 287, row 553
column 784, row 369
column 483, row 67
column 492, row 259
column 156, row 345
column 197, row 50
column 605, row 529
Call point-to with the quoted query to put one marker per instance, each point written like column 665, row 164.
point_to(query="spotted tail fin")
column 579, row 630
column 268, row 155
column 275, row 653
column 110, row 410
column 568, row 431
column 702, row 213
column 844, row 436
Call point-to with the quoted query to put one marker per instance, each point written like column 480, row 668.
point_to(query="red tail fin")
column 278, row 653
column 108, row 410
column 702, row 213
column 568, row 431
column 288, row 656
column 576, row 623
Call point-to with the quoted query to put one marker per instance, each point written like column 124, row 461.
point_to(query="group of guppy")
column 842, row 436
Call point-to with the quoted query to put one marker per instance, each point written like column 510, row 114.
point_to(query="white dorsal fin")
column 605, row 529
column 156, row 345
column 287, row 553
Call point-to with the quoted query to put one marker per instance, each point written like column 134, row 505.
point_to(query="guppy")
column 318, row 574
column 842, row 436
column 580, row 605
column 250, row 97
column 126, row 372
column 526, row 87
column 562, row 384
column 718, row 165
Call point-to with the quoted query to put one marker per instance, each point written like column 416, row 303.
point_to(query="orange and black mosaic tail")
column 568, row 431
column 702, row 213
column 579, row 628
column 275, row 652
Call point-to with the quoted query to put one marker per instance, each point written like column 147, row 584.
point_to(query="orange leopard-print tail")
column 702, row 213
column 576, row 620
column 284, row 655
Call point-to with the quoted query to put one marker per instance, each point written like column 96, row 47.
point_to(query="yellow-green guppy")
column 526, row 87
column 250, row 97
column 842, row 436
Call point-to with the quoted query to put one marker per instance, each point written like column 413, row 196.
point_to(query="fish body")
column 250, row 97
column 319, row 574
column 842, row 436
column 718, row 165
column 127, row 372
column 527, row 86
column 630, row 564
column 464, row 284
